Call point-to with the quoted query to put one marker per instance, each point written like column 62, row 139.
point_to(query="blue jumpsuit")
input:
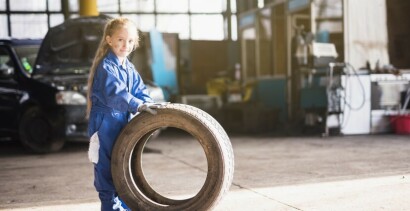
column 117, row 91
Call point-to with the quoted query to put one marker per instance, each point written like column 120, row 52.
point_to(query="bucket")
column 400, row 123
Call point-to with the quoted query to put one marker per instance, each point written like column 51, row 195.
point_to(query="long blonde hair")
column 112, row 26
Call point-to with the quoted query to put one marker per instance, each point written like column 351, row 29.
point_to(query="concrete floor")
column 271, row 173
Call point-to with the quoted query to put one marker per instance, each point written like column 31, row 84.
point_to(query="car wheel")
column 128, row 175
column 36, row 132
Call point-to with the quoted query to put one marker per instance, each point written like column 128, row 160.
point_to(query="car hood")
column 70, row 44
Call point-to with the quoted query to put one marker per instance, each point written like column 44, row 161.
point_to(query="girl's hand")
column 147, row 108
column 150, row 107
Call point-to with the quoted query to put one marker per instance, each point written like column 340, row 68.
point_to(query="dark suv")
column 43, row 84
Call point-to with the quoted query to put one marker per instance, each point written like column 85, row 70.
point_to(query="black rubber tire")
column 36, row 132
column 127, row 172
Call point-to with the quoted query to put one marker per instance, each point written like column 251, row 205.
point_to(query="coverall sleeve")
column 139, row 89
column 111, row 91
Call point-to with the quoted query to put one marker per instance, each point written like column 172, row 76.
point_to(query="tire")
column 36, row 132
column 128, row 176
column 156, row 133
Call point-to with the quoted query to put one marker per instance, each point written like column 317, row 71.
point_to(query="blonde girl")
column 115, row 91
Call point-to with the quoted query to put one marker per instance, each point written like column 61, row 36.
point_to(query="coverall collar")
column 111, row 56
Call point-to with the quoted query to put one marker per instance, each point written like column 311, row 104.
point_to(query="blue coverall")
column 117, row 91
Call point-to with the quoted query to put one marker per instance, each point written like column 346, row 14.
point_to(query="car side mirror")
column 6, row 72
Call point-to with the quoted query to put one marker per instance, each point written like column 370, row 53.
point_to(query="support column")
column 88, row 7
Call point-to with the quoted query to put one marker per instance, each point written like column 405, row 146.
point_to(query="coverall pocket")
column 96, row 120
column 94, row 148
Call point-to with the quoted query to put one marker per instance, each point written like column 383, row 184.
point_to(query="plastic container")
column 400, row 123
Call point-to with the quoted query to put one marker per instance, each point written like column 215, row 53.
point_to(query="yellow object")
column 248, row 90
column 217, row 86
column 224, row 87
column 88, row 8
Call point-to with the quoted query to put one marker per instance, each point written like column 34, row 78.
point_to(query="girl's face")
column 122, row 42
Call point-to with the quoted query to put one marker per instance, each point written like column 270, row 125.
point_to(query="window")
column 234, row 27
column 6, row 62
column 56, row 19
column 144, row 22
column 137, row 6
column 73, row 6
column 54, row 5
column 27, row 55
column 24, row 5
column 206, row 6
column 174, row 24
column 209, row 27
column 28, row 26
column 107, row 6
column 233, row 5
column 174, row 6
column 2, row 5
column 191, row 19
column 3, row 23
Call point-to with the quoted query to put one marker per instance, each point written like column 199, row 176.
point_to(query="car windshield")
column 27, row 55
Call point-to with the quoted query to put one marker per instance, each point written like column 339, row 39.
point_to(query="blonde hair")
column 110, row 28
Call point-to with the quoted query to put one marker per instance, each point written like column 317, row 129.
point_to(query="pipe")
column 88, row 7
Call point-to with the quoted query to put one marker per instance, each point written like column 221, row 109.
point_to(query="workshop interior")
column 297, row 67
column 280, row 67
column 258, row 105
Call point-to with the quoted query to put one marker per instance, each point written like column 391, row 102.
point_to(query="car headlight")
column 70, row 98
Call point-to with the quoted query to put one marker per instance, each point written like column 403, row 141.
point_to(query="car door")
column 10, row 94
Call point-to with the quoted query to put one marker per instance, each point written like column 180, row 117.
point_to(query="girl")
column 115, row 90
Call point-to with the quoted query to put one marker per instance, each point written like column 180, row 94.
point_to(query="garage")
column 234, row 105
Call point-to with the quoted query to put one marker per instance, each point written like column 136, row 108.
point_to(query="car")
column 43, row 84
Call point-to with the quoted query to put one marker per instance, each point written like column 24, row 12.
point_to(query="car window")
column 27, row 55
column 6, row 64
column 5, row 60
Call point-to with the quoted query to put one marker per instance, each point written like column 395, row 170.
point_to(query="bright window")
column 54, row 5
column 2, row 5
column 207, row 27
column 3, row 24
column 144, row 22
column 207, row 6
column 234, row 28
column 24, row 5
column 174, row 24
column 107, row 5
column 73, row 5
column 191, row 19
column 233, row 5
column 174, row 6
column 56, row 19
column 137, row 5
column 29, row 26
